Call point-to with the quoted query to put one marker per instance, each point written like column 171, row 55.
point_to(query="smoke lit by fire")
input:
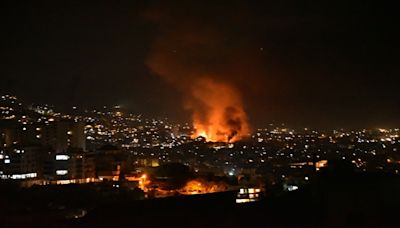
column 218, row 113
column 196, row 60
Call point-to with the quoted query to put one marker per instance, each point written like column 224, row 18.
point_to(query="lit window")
column 244, row 200
column 62, row 157
column 23, row 176
column 7, row 161
column 61, row 172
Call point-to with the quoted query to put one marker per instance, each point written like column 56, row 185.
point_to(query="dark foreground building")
column 332, row 199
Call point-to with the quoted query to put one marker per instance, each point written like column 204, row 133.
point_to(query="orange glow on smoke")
column 218, row 113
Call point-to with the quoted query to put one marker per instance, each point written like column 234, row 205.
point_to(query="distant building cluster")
column 42, row 146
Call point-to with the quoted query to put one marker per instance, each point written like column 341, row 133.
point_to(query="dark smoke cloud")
column 196, row 37
column 206, row 65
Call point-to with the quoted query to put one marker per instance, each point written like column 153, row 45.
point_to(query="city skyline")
column 82, row 112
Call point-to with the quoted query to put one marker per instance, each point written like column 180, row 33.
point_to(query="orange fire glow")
column 199, row 186
column 198, row 68
column 218, row 113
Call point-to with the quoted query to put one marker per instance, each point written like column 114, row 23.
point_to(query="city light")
column 61, row 157
column 19, row 176
column 61, row 172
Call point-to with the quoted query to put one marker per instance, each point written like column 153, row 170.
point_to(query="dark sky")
column 331, row 64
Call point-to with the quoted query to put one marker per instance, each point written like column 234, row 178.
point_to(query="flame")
column 200, row 133
column 200, row 186
column 218, row 113
column 197, row 61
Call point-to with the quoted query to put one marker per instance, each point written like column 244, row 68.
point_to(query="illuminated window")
column 64, row 182
column 62, row 157
column 7, row 161
column 61, row 172
column 23, row 176
column 292, row 188
column 244, row 200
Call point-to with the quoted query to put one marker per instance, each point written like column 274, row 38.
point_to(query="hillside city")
column 42, row 146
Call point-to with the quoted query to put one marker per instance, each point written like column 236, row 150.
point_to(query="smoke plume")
column 195, row 59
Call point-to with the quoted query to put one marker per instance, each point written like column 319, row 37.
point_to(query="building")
column 21, row 162
column 62, row 135
column 110, row 163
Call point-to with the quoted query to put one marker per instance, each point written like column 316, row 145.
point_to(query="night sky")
column 304, row 63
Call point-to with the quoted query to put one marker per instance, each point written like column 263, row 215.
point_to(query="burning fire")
column 218, row 113
column 196, row 60
column 199, row 186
